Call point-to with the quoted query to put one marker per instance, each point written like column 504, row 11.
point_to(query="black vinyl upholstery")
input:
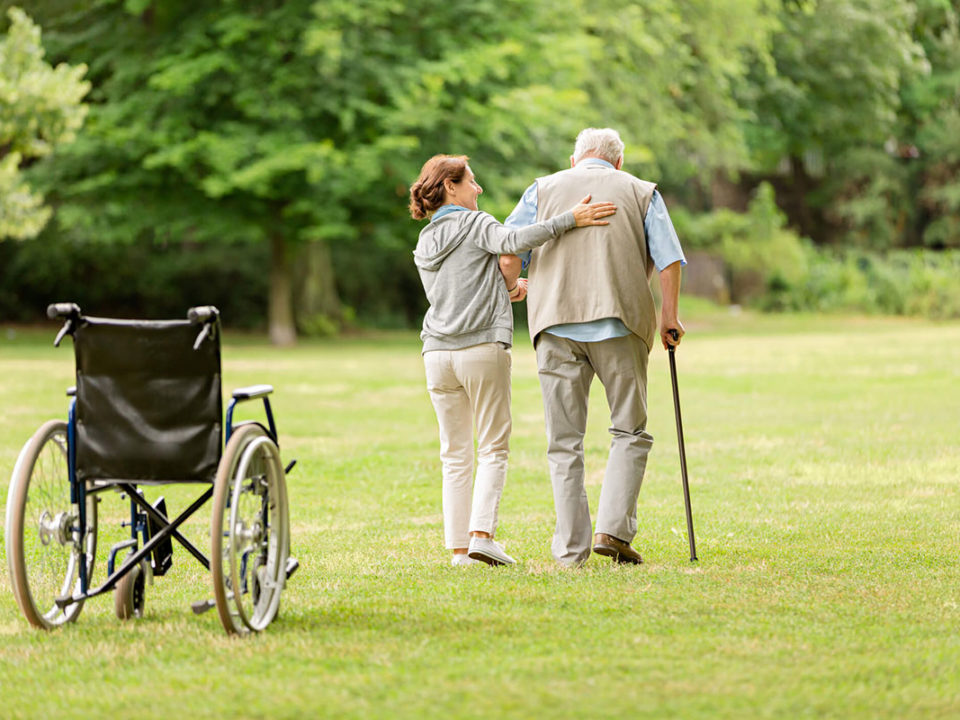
column 148, row 404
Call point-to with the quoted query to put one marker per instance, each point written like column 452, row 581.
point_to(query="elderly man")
column 591, row 312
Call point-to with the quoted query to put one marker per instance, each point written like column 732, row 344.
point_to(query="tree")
column 930, row 135
column 200, row 128
column 821, row 113
column 291, row 122
column 304, row 122
column 40, row 108
column 665, row 72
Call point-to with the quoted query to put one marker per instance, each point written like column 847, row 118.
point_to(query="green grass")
column 824, row 467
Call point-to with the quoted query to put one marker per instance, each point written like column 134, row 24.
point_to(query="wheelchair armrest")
column 252, row 392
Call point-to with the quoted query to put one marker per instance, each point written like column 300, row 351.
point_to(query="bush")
column 770, row 267
column 763, row 257
column 904, row 282
column 137, row 280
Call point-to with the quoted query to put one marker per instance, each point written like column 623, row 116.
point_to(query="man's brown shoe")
column 617, row 549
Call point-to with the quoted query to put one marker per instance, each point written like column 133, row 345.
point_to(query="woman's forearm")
column 496, row 238
column 510, row 268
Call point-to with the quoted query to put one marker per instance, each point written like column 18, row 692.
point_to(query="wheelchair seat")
column 149, row 406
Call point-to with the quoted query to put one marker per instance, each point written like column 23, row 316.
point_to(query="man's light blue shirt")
column 662, row 244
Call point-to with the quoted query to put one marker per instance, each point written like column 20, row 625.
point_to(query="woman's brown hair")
column 426, row 194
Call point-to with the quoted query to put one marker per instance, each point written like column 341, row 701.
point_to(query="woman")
column 467, row 334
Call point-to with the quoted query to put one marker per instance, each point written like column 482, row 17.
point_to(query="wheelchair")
column 147, row 411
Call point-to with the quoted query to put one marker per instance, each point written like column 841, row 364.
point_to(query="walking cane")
column 683, row 455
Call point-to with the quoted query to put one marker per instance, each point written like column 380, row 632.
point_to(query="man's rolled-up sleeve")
column 662, row 241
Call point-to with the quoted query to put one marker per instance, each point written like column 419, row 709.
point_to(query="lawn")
column 824, row 470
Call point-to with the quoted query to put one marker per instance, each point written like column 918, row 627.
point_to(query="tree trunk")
column 800, row 188
column 280, row 305
column 725, row 193
column 317, row 305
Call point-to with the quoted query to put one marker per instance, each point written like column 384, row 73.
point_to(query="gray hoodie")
column 456, row 256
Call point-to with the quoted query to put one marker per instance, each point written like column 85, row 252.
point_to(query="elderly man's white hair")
column 604, row 142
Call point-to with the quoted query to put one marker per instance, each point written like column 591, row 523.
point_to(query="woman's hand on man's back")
column 587, row 213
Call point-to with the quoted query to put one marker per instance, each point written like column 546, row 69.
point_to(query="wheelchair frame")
column 152, row 531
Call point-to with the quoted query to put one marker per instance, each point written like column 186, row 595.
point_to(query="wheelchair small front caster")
column 130, row 595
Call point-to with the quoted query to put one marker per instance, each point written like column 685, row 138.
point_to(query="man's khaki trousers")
column 566, row 369
column 467, row 387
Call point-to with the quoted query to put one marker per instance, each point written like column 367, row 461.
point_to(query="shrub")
column 763, row 257
column 904, row 282
column 770, row 267
column 135, row 280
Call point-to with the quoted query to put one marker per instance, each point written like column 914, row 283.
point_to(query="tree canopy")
column 40, row 108
column 301, row 124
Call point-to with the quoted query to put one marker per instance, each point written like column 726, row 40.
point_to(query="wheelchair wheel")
column 44, row 549
column 250, row 532
column 130, row 595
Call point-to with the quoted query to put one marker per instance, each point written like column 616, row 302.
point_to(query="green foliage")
column 859, row 119
column 368, row 297
column 834, row 82
column 933, row 123
column 761, row 254
column 824, row 114
column 304, row 122
column 770, row 267
column 137, row 279
column 22, row 213
column 904, row 282
column 664, row 72
column 871, row 198
column 40, row 108
column 907, row 192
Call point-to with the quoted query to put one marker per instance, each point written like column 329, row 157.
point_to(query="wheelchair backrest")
column 148, row 405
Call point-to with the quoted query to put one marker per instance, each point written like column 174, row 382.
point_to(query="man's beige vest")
column 594, row 272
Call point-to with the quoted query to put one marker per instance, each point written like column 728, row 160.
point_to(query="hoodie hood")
column 441, row 237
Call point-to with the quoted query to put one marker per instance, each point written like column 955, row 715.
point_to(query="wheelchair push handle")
column 70, row 311
column 66, row 310
column 206, row 314
column 202, row 313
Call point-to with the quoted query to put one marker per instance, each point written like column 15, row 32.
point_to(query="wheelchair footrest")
column 65, row 601
column 201, row 606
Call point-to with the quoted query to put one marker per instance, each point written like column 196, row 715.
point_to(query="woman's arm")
column 510, row 268
column 496, row 238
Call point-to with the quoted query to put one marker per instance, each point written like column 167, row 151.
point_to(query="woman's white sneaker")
column 462, row 559
column 489, row 551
